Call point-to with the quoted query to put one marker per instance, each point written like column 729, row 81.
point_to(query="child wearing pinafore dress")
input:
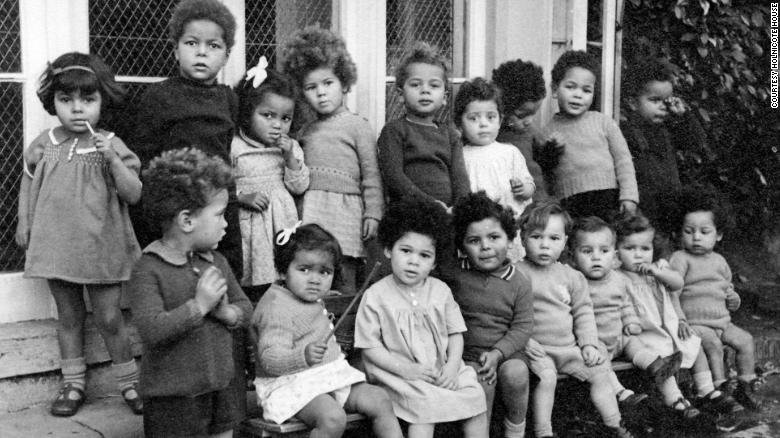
column 269, row 169
column 411, row 330
column 301, row 371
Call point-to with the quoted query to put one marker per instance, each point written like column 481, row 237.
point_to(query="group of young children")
column 234, row 211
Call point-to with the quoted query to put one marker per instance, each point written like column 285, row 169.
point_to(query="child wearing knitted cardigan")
column 345, row 193
column 708, row 295
column 587, row 156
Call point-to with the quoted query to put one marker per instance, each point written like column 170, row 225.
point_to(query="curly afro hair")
column 477, row 89
column 412, row 215
column 537, row 215
column 211, row 10
column 701, row 197
column 81, row 72
column 520, row 82
column 312, row 48
column 422, row 53
column 571, row 59
column 250, row 97
column 181, row 179
column 638, row 76
column 477, row 207
column 309, row 237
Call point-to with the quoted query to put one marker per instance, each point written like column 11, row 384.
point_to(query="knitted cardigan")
column 595, row 156
column 707, row 285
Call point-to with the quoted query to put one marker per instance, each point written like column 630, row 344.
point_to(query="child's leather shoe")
column 746, row 394
column 721, row 403
column 65, row 405
column 664, row 367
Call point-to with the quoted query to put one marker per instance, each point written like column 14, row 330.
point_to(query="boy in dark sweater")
column 497, row 304
column 186, row 300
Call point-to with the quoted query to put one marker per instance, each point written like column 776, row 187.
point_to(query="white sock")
column 512, row 430
column 703, row 383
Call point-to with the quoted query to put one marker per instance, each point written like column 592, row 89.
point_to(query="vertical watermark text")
column 773, row 67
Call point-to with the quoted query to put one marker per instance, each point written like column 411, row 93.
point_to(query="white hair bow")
column 282, row 237
column 258, row 73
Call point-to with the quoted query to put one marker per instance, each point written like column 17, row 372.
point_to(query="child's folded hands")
column 592, row 356
column 416, row 371
column 255, row 201
column 448, row 375
column 210, row 289
column 489, row 363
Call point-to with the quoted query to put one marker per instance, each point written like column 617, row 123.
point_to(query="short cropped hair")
column 705, row 198
column 212, row 10
column 631, row 224
column 309, row 237
column 313, row 47
column 519, row 82
column 413, row 215
column 537, row 215
column 422, row 53
column 476, row 207
column 638, row 76
column 591, row 224
column 477, row 89
column 571, row 59
column 181, row 179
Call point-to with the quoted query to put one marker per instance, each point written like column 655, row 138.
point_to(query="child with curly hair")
column 411, row 330
column 708, row 295
column 269, row 168
column 302, row 371
column 592, row 169
column 345, row 193
column 186, row 300
column 522, row 88
column 497, row 304
column 191, row 109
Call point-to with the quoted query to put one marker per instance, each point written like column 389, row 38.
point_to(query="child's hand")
column 225, row 312
column 448, row 376
column 684, row 331
column 285, row 143
column 416, row 371
column 732, row 300
column 676, row 105
column 489, row 361
column 632, row 329
column 592, row 356
column 22, row 234
column 521, row 191
column 646, row 268
column 370, row 227
column 551, row 151
column 104, row 146
column 211, row 287
column 253, row 201
column 628, row 207
column 534, row 349
column 314, row 352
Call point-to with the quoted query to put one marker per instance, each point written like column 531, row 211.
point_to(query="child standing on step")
column 73, row 220
column 186, row 300
column 301, row 370
column 565, row 339
column 345, row 189
column 708, row 295
column 411, row 331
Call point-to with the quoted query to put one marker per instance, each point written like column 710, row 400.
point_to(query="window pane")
column 10, row 43
column 132, row 36
column 11, row 137
column 270, row 22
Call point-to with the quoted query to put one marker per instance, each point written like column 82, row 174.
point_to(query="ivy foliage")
column 719, row 50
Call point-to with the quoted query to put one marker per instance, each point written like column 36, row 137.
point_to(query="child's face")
column 699, row 233
column 486, row 244
column 424, row 91
column 272, row 118
column 323, row 91
column 594, row 254
column 480, row 122
column 636, row 249
column 310, row 274
column 74, row 109
column 575, row 91
column 543, row 247
column 208, row 224
column 522, row 117
column 201, row 51
column 651, row 104
column 412, row 258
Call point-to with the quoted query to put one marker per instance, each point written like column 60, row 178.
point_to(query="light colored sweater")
column 492, row 167
column 612, row 307
column 341, row 154
column 563, row 311
column 595, row 156
column 707, row 285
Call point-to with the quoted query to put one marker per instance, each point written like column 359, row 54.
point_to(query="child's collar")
column 173, row 256
column 505, row 272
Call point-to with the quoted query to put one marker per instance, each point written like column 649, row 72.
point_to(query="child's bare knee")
column 548, row 378
column 108, row 322
column 513, row 376
column 333, row 422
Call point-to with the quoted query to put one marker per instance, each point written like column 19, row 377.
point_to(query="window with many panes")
column 11, row 135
